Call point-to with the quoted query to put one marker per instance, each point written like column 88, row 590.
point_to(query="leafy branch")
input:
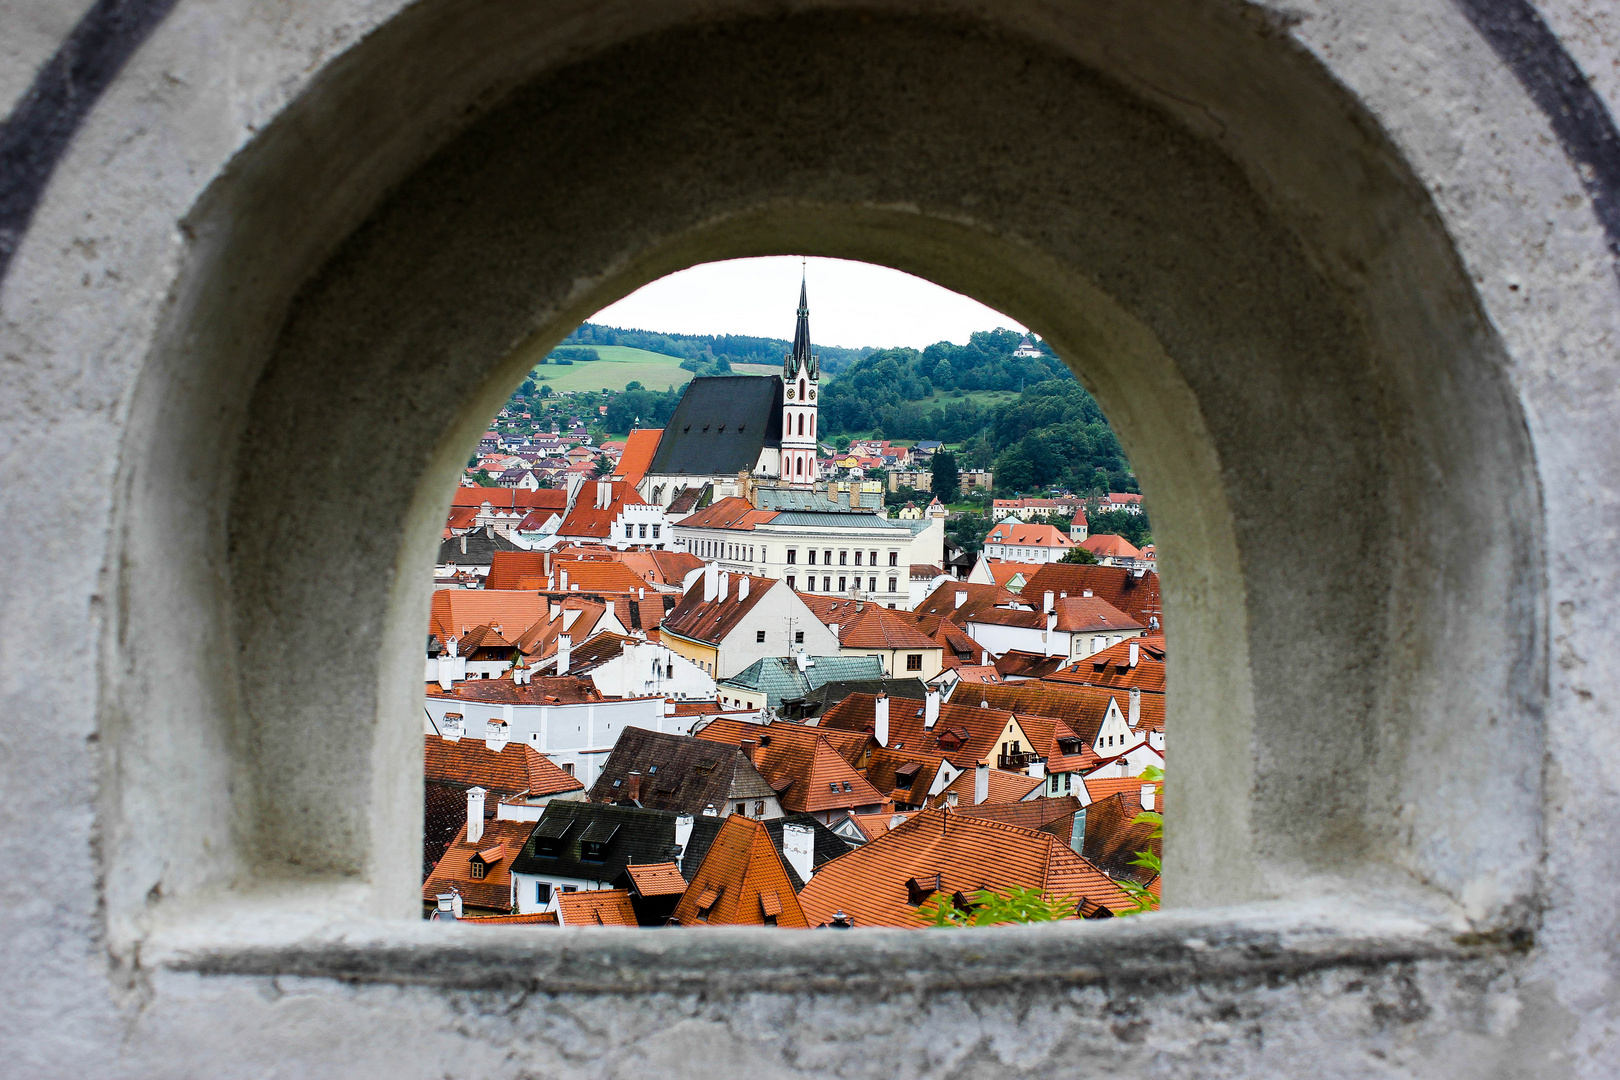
column 989, row 908
column 1141, row 895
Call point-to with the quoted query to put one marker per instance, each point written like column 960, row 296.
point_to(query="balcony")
column 1016, row 761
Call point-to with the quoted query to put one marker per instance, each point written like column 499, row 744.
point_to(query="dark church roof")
column 720, row 426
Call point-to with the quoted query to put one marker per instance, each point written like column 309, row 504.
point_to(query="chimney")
column 748, row 746
column 548, row 564
column 711, row 581
column 834, row 628
column 880, row 720
column 802, row 660
column 564, row 581
column 961, row 598
column 475, row 814
column 1148, row 791
column 710, row 811
column 632, row 786
column 1136, row 653
column 451, row 726
column 464, row 543
column 931, row 708
column 683, row 835
column 951, row 799
column 981, row 784
column 495, row 735
column 1051, row 633
column 449, row 906
column 565, row 653
column 798, row 850
column 742, row 591
column 1047, row 602
column 1077, row 830
column 1135, row 715
column 722, row 587
column 1086, row 593
column 604, row 494
column 1037, row 769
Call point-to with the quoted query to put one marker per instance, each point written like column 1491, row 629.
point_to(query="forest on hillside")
column 709, row 348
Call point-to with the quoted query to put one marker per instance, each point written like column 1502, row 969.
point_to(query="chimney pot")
column 565, row 650
column 1086, row 593
column 1148, row 793
column 981, row 784
column 1136, row 653
column 742, row 588
column 798, row 849
column 961, row 598
column 880, row 720
column 475, row 814
column 1134, row 716
column 632, row 786
column 748, row 747
column 1047, row 601
column 931, row 707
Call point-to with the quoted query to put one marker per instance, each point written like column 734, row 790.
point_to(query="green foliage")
column 602, row 466
column 989, row 908
column 1140, row 895
column 903, row 495
column 633, row 385
column 652, row 408
column 946, row 476
column 967, row 531
column 572, row 354
column 1135, row 528
column 484, row 479
column 732, row 348
column 527, row 388
column 1078, row 554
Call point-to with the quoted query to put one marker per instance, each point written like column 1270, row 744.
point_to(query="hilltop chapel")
column 732, row 431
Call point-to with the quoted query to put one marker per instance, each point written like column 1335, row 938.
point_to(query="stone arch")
column 1269, row 367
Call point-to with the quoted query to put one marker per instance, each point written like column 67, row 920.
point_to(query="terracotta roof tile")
column 968, row 854
column 965, row 734
column 1041, row 535
column 729, row 513
column 639, row 449
column 1136, row 596
column 656, row 879
column 598, row 907
column 740, row 880
column 873, row 626
column 555, row 499
column 942, row 601
column 1005, row 787
column 457, row 611
column 538, row 691
column 1035, row 814
column 1106, row 545
column 1112, row 667
column 493, row 891
column 512, row 770
column 711, row 620
column 1081, row 707
column 807, row 773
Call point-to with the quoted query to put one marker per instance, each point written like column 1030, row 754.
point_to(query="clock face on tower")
column 790, row 393
column 812, row 394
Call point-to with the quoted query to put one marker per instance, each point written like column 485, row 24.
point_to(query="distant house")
column 801, row 765
column 472, row 552
column 1113, row 550
column 580, row 847
column 726, row 622
column 939, row 853
column 772, row 682
column 1074, row 626
column 477, row 864
column 741, row 882
column 684, row 774
column 632, row 666
column 1016, row 542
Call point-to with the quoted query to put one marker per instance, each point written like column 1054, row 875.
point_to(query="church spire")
column 800, row 360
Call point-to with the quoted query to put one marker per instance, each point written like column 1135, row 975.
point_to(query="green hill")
column 621, row 365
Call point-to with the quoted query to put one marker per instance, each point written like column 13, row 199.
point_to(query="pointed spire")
column 801, row 334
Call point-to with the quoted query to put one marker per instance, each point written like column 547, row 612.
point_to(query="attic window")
column 833, row 787
column 479, row 868
column 847, row 786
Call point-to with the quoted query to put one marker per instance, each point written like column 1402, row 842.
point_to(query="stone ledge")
column 1175, row 948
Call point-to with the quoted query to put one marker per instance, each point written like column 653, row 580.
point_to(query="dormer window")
column 479, row 868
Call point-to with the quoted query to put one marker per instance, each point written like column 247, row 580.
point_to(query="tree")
column 946, row 477
column 1078, row 554
column 633, row 385
column 484, row 479
column 988, row 908
column 602, row 466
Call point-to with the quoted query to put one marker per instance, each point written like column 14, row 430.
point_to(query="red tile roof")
column 728, row 513
column 1082, row 708
column 711, row 620
column 741, row 882
column 554, row 499
column 502, row 840
column 1016, row 663
column 516, row 570
column 808, row 775
column 1002, row 571
column 656, row 879
column 978, row 729
column 599, row 907
column 1106, row 545
column 968, row 854
column 1042, row 535
column 873, row 626
column 942, row 601
column 538, row 691
column 1112, row 667
column 1005, row 787
column 639, row 449
column 586, row 519
column 512, row 770
column 456, row 611
column 1137, row 597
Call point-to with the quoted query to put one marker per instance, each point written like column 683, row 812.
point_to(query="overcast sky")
column 851, row 304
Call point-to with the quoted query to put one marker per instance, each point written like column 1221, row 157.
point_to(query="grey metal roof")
column 780, row 678
column 720, row 426
column 837, row 521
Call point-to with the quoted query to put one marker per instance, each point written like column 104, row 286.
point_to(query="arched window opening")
column 969, row 451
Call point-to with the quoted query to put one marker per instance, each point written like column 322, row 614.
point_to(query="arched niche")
column 1214, row 236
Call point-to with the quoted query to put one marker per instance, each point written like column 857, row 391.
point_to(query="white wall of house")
column 578, row 737
column 764, row 551
column 646, row 668
column 780, row 616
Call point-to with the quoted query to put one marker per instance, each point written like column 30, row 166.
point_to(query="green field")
column 621, row 365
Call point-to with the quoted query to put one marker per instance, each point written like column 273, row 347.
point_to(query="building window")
column 826, row 557
column 759, row 637
column 857, row 558
column 914, row 661
column 894, row 558
column 568, row 767
column 798, row 637
column 871, row 584
column 843, row 585
column 812, row 557
column 790, row 580
column 629, row 532
column 826, row 584
column 542, row 893
column 793, row 556
column 759, row 808
column 655, row 532
column 843, row 558
column 479, row 868
column 742, row 808
column 641, row 531
column 894, row 586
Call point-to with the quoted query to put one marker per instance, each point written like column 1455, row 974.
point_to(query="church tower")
column 801, row 371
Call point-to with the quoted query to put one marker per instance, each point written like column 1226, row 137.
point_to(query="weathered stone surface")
column 1343, row 283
